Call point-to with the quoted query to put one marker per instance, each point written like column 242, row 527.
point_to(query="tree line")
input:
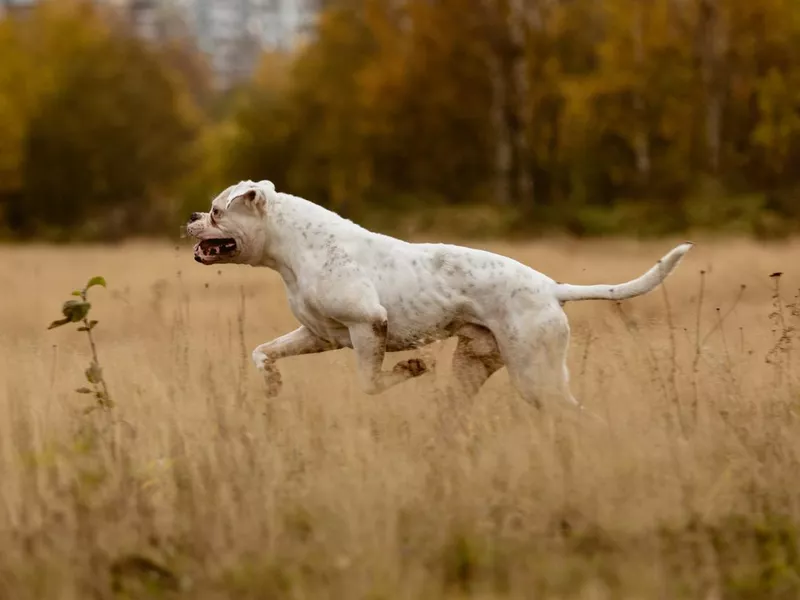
column 619, row 116
column 97, row 129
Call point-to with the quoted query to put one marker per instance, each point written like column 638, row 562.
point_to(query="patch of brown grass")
column 197, row 486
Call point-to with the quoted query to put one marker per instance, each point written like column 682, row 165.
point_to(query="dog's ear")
column 253, row 199
column 255, row 196
column 268, row 189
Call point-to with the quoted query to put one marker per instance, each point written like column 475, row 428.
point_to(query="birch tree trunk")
column 711, row 42
column 520, row 118
column 641, row 141
column 506, row 23
column 503, row 158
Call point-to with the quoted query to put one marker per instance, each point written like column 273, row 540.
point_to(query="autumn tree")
column 622, row 115
column 100, row 135
column 619, row 115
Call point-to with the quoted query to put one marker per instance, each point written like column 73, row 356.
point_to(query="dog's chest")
column 314, row 319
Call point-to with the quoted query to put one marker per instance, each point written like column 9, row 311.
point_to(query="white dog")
column 352, row 288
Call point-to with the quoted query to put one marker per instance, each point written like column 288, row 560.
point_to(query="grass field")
column 196, row 486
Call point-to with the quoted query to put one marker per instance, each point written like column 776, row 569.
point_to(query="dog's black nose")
column 195, row 217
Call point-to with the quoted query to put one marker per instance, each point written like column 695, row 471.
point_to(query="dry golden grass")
column 691, row 491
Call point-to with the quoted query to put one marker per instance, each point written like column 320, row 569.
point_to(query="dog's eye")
column 215, row 212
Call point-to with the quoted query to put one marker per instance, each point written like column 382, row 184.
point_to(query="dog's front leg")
column 298, row 342
column 369, row 343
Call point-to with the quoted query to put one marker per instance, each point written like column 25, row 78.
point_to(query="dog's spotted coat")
column 352, row 288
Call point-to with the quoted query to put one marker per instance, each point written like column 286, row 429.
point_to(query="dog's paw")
column 273, row 381
column 413, row 367
column 260, row 360
column 272, row 377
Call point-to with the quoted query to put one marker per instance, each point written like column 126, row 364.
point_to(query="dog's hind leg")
column 536, row 357
column 369, row 343
column 476, row 358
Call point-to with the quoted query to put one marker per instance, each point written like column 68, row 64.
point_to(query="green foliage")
column 77, row 311
column 97, row 280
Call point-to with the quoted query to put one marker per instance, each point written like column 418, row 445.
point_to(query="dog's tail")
column 566, row 292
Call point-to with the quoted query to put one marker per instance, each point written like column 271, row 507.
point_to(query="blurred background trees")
column 96, row 127
column 484, row 116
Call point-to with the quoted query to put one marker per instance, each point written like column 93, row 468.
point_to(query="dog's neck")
column 296, row 227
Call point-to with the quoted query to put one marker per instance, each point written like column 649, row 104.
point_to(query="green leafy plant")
column 77, row 311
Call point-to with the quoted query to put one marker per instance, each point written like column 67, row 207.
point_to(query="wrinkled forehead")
column 231, row 192
column 221, row 200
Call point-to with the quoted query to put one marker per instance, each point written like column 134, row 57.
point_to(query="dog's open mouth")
column 207, row 251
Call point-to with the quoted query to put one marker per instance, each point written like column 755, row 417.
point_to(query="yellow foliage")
column 93, row 122
column 552, row 110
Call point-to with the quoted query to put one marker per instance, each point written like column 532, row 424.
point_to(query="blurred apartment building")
column 232, row 33
column 15, row 6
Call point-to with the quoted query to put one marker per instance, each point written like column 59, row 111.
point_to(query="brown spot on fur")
column 413, row 366
column 380, row 329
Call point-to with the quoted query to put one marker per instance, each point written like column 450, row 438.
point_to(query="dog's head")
column 235, row 229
